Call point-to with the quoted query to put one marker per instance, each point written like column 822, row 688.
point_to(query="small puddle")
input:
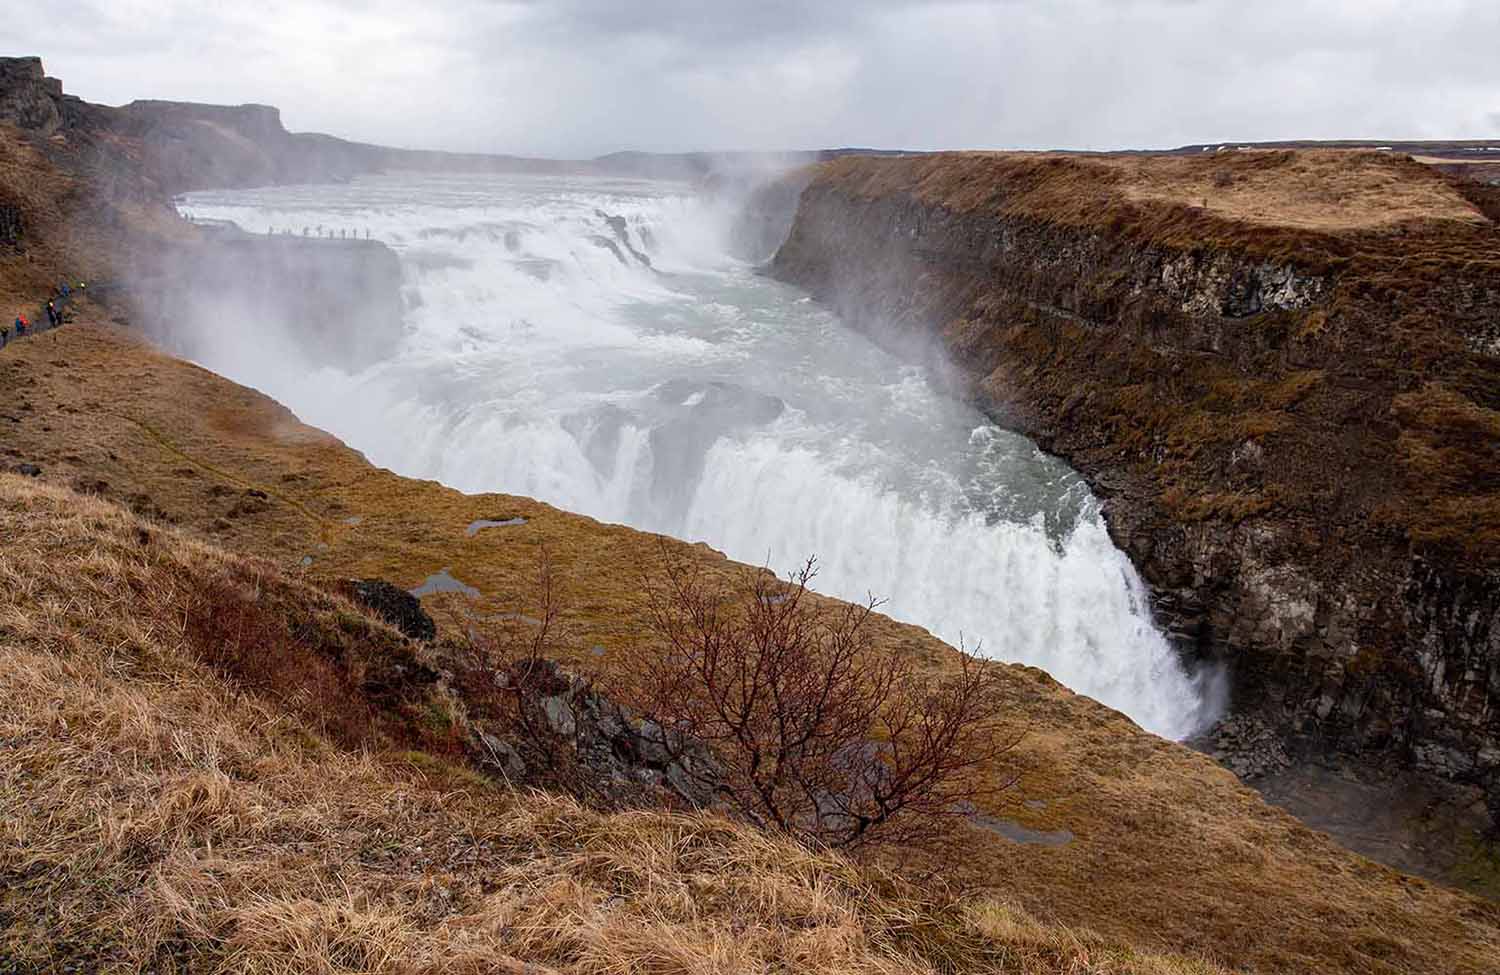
column 443, row 582
column 1014, row 831
column 475, row 527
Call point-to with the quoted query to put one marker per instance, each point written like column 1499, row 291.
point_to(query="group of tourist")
column 53, row 311
column 320, row 231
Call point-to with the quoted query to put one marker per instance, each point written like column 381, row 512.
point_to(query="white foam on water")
column 697, row 398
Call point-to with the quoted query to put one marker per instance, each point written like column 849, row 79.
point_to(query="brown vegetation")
column 154, row 816
column 818, row 734
column 1259, row 194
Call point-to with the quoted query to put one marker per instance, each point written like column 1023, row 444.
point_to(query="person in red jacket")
column 21, row 325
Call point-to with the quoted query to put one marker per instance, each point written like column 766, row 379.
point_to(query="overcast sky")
column 584, row 77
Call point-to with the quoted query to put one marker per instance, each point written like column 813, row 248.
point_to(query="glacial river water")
column 593, row 344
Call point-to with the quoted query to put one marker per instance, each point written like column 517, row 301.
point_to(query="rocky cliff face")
column 1294, row 428
column 28, row 98
column 93, row 189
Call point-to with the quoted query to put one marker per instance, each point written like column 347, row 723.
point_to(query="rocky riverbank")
column 1281, row 371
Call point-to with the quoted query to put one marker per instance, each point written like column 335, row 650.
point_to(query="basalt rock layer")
column 1281, row 372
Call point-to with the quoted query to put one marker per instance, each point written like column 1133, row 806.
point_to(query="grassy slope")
column 1171, row 853
column 160, row 811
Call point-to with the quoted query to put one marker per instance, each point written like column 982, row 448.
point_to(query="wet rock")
column 692, row 417
column 621, row 230
column 502, row 758
column 1246, row 745
column 394, row 605
column 582, row 741
column 559, row 716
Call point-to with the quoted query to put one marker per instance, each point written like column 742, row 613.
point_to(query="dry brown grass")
column 1170, row 853
column 155, row 816
column 1323, row 190
column 1320, row 190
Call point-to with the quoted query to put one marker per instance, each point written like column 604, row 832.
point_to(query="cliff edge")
column 1281, row 370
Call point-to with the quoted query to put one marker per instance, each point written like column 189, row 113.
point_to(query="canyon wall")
column 1280, row 371
column 92, row 191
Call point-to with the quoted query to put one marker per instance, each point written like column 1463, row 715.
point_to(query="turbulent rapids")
column 593, row 344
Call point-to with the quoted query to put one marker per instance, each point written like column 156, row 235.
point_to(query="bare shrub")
column 819, row 734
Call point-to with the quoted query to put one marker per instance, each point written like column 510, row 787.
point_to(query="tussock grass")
column 159, row 811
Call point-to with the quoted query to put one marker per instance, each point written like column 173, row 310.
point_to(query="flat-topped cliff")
column 1280, row 369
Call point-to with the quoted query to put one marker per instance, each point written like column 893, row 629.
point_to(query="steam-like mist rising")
column 590, row 342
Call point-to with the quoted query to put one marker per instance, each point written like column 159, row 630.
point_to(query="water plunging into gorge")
column 592, row 344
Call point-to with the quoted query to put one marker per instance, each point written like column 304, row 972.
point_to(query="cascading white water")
column 590, row 343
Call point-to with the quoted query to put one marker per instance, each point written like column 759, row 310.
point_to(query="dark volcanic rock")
column 28, row 98
column 394, row 605
column 567, row 735
column 1247, row 746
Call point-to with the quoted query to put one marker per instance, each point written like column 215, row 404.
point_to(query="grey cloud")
column 580, row 77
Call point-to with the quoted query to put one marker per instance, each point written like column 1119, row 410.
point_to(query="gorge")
column 592, row 343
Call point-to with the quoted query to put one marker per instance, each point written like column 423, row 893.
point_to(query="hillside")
column 166, row 811
column 1279, row 368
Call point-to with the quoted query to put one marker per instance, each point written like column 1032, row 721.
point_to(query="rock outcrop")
column 394, row 605
column 561, row 731
column 1290, row 410
column 28, row 98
